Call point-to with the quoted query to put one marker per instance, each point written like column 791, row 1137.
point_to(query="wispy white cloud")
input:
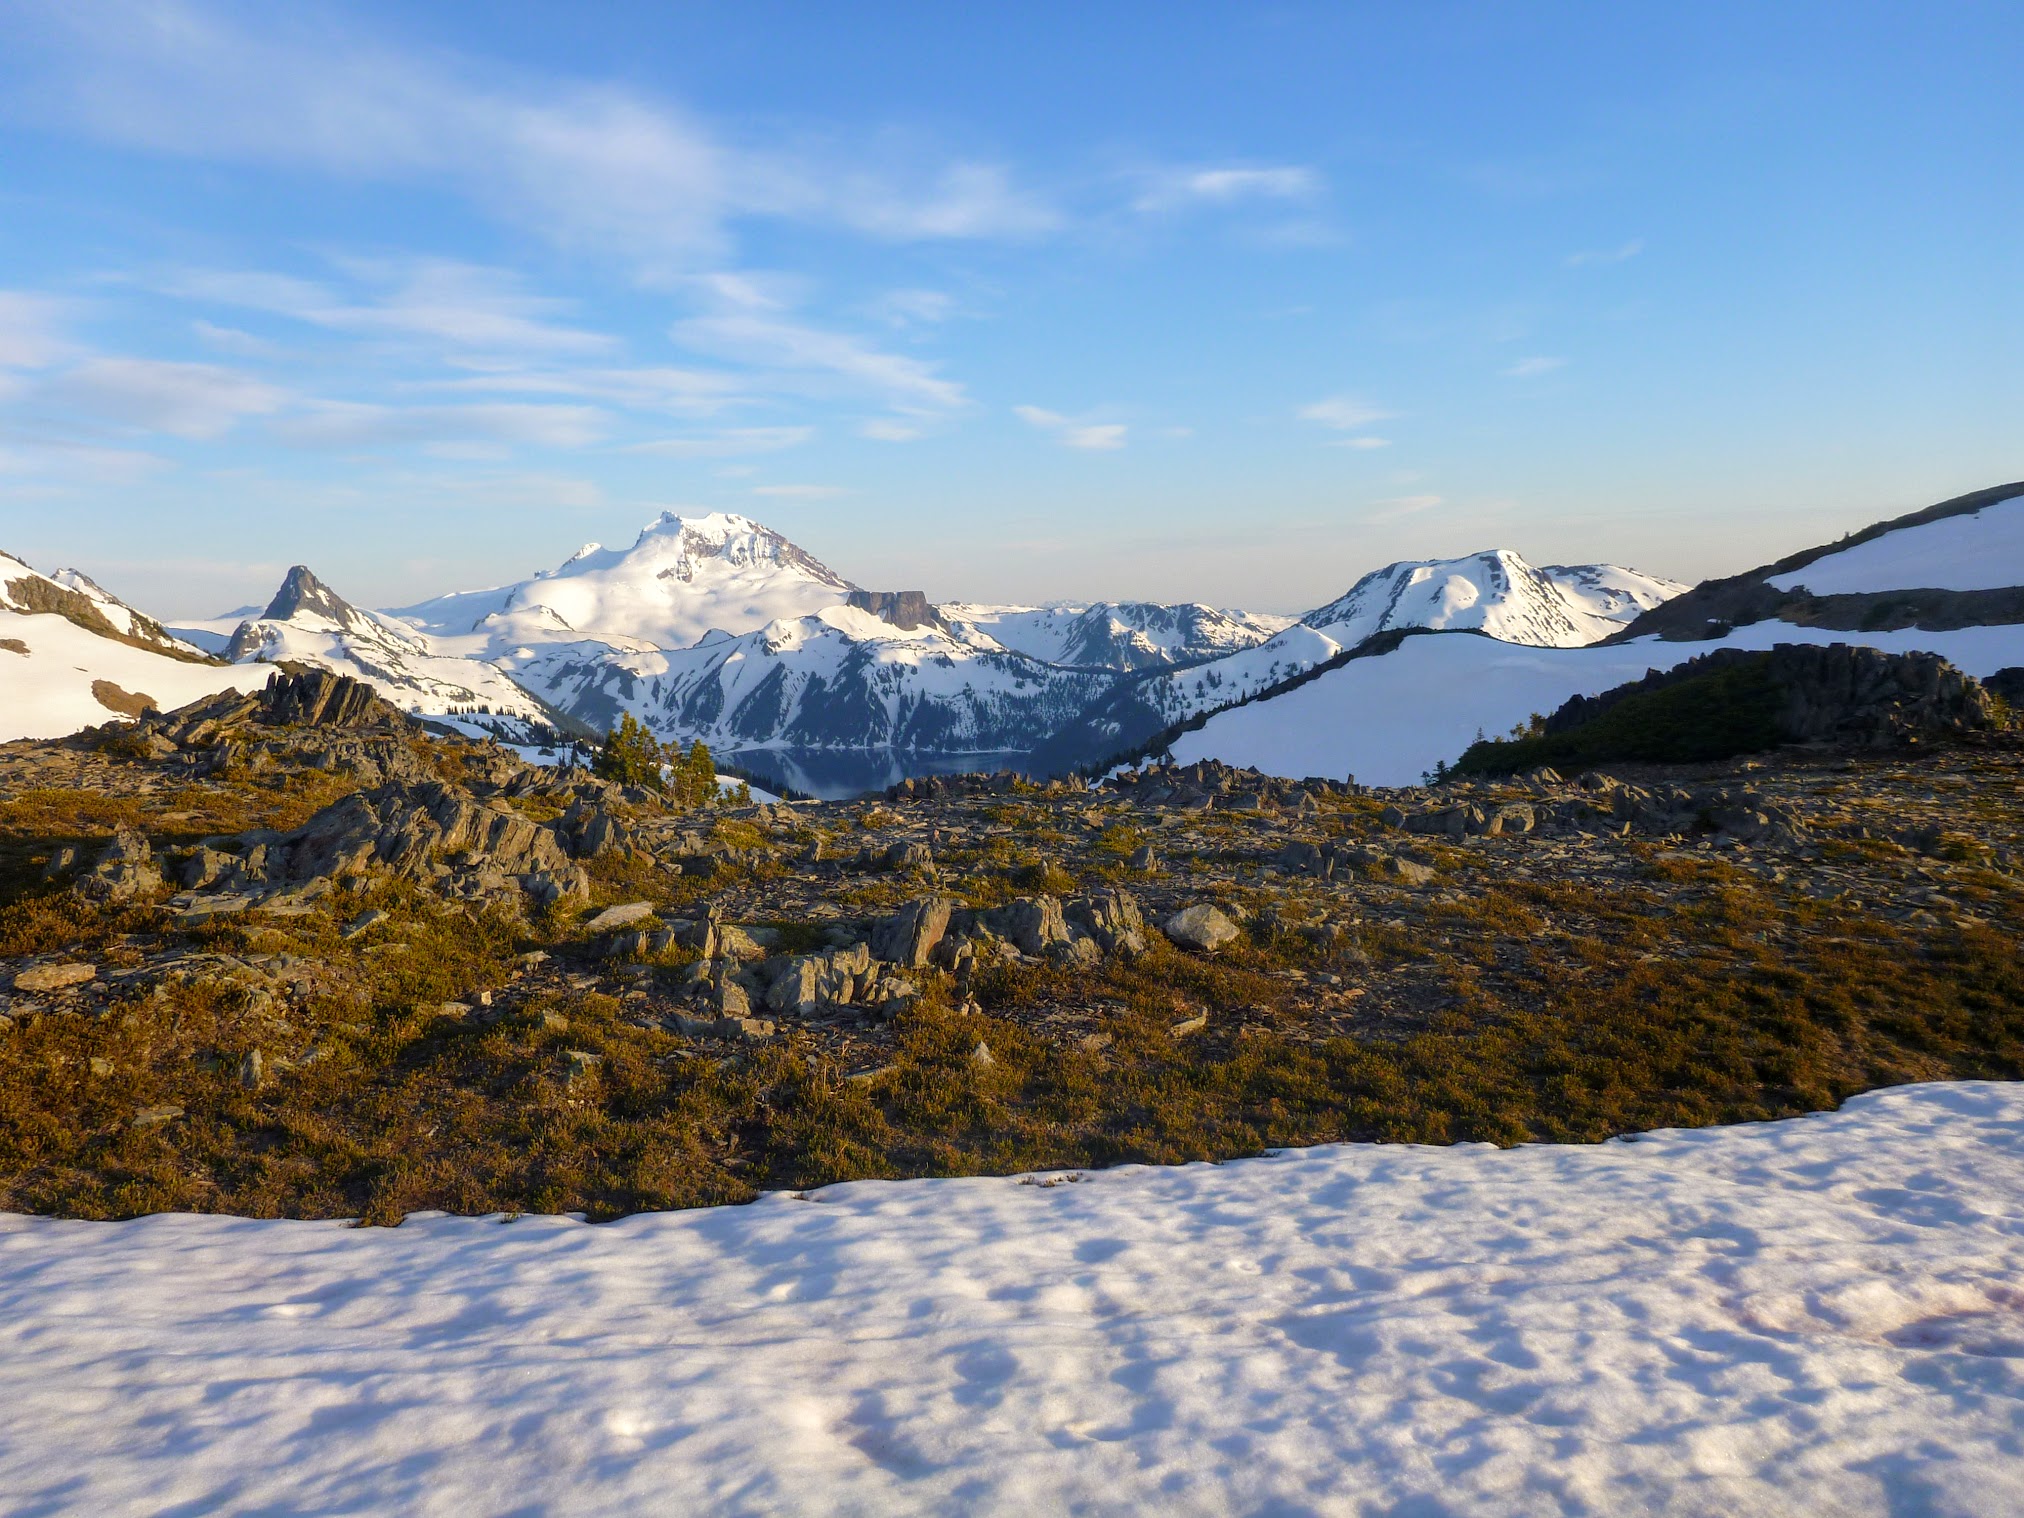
column 962, row 201
column 1344, row 413
column 883, row 429
column 1532, row 368
column 1098, row 437
column 728, row 443
column 232, row 340
column 1614, row 255
column 1364, row 442
column 30, row 330
column 776, row 342
column 196, row 401
column 462, row 306
column 1176, row 189
column 354, row 425
column 800, row 492
column 585, row 164
column 912, row 308
column 688, row 392
column 46, row 457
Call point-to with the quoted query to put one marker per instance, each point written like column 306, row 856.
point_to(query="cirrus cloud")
column 1095, row 437
column 196, row 401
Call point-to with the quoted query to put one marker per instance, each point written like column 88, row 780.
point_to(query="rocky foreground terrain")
column 293, row 953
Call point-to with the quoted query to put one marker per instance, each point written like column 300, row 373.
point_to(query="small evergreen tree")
column 693, row 776
column 631, row 755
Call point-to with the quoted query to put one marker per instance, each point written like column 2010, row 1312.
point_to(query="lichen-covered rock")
column 54, row 977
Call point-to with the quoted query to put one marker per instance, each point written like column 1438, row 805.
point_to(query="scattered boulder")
column 1202, row 927
column 1111, row 920
column 619, row 916
column 54, row 977
column 908, row 854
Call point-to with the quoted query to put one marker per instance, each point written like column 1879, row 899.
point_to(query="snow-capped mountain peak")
column 682, row 577
column 303, row 596
column 1495, row 592
column 310, row 623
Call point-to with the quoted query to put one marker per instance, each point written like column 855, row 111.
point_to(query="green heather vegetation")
column 1553, row 1009
column 1718, row 714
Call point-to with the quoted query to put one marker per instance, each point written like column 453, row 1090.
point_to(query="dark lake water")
column 839, row 774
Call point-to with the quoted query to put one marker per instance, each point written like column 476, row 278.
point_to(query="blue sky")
column 1225, row 303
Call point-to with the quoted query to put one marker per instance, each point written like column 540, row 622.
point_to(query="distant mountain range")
column 716, row 627
column 1946, row 580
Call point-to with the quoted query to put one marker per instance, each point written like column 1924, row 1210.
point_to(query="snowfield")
column 1814, row 1316
column 1978, row 550
column 46, row 690
column 1390, row 718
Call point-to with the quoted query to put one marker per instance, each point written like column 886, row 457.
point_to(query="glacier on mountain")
column 682, row 579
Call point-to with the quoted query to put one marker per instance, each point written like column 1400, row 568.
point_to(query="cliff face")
column 905, row 609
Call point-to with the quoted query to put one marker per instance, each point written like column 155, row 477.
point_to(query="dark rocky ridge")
column 1713, row 607
column 1733, row 701
column 33, row 594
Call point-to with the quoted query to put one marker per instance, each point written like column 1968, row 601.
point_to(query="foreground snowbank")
column 1813, row 1316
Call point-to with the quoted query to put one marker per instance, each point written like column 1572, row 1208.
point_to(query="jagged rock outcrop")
column 434, row 831
column 911, row 935
column 1211, row 785
column 125, row 869
column 320, row 698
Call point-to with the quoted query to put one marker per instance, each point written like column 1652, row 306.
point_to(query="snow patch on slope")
column 1123, row 635
column 1818, row 1315
column 1977, row 550
column 1390, row 718
column 48, row 667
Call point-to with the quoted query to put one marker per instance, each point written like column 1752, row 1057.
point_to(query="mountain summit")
column 1494, row 592
column 301, row 594
column 307, row 622
column 682, row 578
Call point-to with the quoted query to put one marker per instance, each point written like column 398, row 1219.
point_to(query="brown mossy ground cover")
column 1547, row 1002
